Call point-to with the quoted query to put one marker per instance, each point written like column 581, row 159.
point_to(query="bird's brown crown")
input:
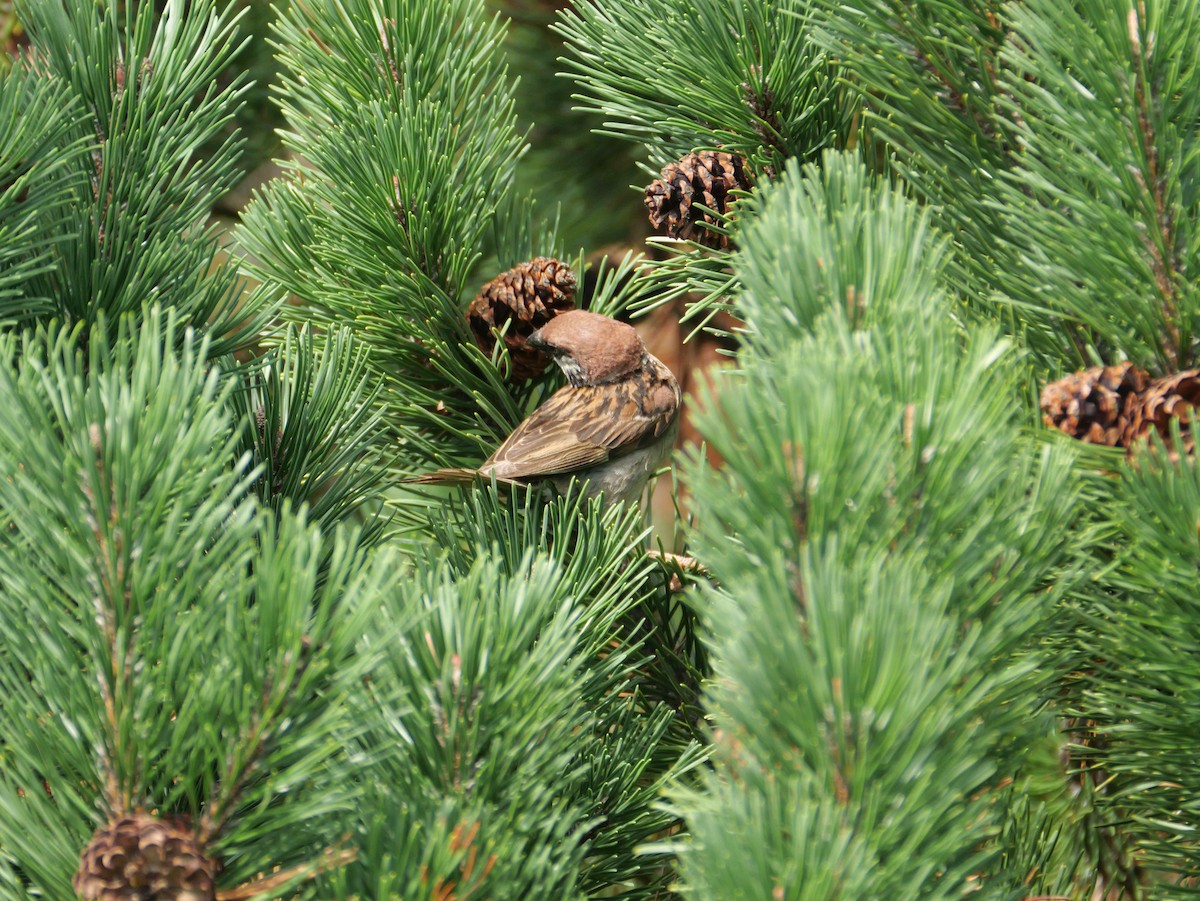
column 591, row 349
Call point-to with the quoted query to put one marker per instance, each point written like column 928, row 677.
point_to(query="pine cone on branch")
column 1096, row 405
column 1172, row 397
column 525, row 298
column 699, row 178
column 139, row 857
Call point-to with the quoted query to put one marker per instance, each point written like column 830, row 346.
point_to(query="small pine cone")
column 1095, row 405
column 705, row 178
column 274, row 456
column 526, row 297
column 1172, row 397
column 142, row 858
column 260, row 423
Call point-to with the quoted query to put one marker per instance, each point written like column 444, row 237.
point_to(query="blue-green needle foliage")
column 38, row 141
column 1105, row 101
column 928, row 72
column 480, row 709
column 681, row 75
column 502, row 769
column 884, row 537
column 313, row 429
column 676, row 76
column 1138, row 680
column 133, row 231
column 1029, row 125
column 641, row 665
column 166, row 644
column 403, row 114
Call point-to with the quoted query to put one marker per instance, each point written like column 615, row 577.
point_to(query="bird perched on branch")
column 612, row 426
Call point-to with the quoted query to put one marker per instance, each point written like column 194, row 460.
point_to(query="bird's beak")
column 535, row 341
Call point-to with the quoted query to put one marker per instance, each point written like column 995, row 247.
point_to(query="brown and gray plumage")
column 613, row 425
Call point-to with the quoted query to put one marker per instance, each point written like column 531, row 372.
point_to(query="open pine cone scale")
column 524, row 299
column 705, row 179
column 1119, row 406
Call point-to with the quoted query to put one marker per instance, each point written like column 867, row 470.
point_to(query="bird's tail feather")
column 445, row 477
column 454, row 476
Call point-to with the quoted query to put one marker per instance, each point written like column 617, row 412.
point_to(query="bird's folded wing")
column 576, row 428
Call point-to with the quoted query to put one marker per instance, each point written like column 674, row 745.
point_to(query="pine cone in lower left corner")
column 139, row 857
column 1096, row 405
column 524, row 298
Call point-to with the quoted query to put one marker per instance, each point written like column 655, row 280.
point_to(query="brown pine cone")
column 142, row 858
column 1172, row 397
column 525, row 297
column 705, row 178
column 1096, row 405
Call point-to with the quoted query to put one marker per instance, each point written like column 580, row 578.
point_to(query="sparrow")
column 612, row 426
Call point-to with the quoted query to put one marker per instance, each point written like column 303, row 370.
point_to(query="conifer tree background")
column 929, row 646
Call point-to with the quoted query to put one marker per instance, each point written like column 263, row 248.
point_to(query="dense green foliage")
column 131, row 229
column 896, row 534
column 931, row 648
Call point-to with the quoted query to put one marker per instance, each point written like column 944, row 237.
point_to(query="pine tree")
column 1050, row 149
column 919, row 643
column 240, row 667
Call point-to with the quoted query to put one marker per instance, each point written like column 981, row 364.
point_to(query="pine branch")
column 628, row 767
column 169, row 645
column 35, row 181
column 935, row 91
column 313, row 426
column 382, row 227
column 601, row 552
column 639, row 675
column 479, row 718
column 1108, row 114
column 840, row 215
column 676, row 77
column 1027, row 125
column 884, row 550
column 701, row 278
column 1134, row 674
column 764, row 91
column 135, row 230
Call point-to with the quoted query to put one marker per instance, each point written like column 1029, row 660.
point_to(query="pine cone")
column 275, row 455
column 705, row 178
column 1096, row 405
column 526, row 297
column 142, row 858
column 1172, row 397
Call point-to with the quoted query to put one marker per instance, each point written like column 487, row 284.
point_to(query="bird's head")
column 589, row 348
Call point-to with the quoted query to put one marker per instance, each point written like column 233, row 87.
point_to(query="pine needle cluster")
column 919, row 644
column 217, row 633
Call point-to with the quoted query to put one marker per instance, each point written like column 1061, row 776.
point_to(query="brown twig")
column 760, row 99
column 115, row 683
column 254, row 741
column 332, row 860
column 686, row 564
column 1164, row 262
